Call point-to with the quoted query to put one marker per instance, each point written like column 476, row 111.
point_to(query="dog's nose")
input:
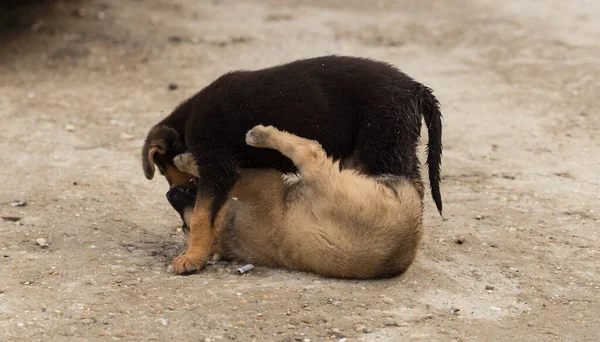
column 181, row 198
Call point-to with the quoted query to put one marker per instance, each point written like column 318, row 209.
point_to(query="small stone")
column 126, row 136
column 101, row 15
column 388, row 300
column 43, row 309
column 363, row 329
column 11, row 218
column 70, row 128
column 489, row 287
column 479, row 217
column 173, row 86
column 455, row 310
column 459, row 241
column 335, row 332
column 175, row 39
column 18, row 203
column 392, row 323
column 42, row 243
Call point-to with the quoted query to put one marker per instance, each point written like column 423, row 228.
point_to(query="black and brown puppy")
column 355, row 108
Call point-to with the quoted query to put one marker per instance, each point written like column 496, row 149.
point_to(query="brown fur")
column 332, row 222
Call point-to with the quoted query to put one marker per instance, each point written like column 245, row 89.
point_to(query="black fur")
column 181, row 199
column 352, row 106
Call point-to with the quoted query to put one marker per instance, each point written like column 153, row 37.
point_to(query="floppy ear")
column 160, row 140
column 148, row 161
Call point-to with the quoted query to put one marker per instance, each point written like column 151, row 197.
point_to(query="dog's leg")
column 218, row 174
column 187, row 163
column 200, row 240
column 308, row 155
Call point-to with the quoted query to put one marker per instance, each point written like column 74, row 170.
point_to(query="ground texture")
column 81, row 82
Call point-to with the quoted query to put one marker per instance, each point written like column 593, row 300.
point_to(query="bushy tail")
column 430, row 107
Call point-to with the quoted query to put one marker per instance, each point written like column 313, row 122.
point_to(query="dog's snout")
column 181, row 198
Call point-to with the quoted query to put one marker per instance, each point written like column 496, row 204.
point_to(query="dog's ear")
column 160, row 140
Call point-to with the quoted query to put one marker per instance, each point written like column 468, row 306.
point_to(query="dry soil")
column 81, row 82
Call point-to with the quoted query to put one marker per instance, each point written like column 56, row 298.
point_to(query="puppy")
column 357, row 109
column 322, row 220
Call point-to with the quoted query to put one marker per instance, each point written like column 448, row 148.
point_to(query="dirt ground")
column 81, row 82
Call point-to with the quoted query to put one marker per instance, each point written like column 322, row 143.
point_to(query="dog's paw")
column 185, row 162
column 185, row 264
column 260, row 135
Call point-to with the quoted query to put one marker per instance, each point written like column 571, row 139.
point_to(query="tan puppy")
column 326, row 221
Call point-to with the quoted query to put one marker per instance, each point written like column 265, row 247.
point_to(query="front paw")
column 185, row 264
column 260, row 135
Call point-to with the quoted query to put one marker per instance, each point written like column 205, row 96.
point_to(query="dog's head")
column 162, row 144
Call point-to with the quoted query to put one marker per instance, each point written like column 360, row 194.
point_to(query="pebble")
column 126, row 136
column 173, row 86
column 18, row 203
column 70, row 128
column 388, row 300
column 363, row 329
column 11, row 218
column 42, row 243
column 489, row 287
column 175, row 39
column 393, row 323
column 163, row 321
column 335, row 332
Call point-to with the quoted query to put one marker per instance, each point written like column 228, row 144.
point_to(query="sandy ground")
column 81, row 82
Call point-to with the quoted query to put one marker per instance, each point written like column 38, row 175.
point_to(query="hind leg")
column 308, row 155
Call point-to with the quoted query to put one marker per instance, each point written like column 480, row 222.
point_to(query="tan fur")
column 332, row 222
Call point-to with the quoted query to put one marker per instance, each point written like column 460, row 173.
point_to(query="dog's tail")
column 430, row 108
